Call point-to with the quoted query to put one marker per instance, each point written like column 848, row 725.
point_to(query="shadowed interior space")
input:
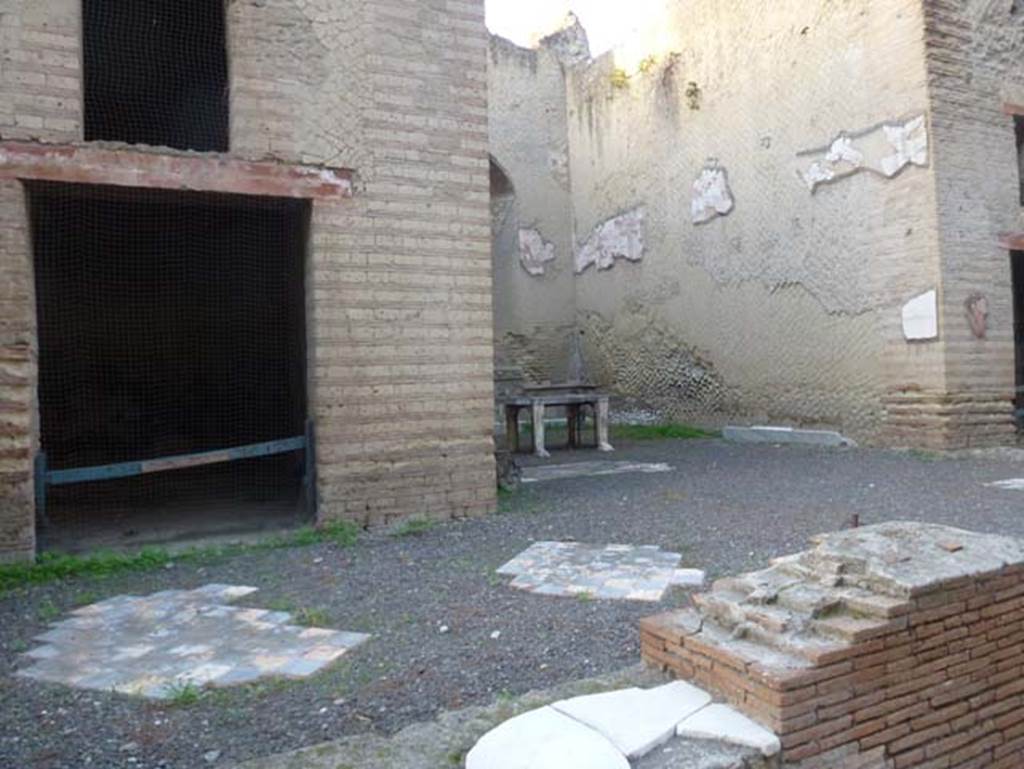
column 169, row 324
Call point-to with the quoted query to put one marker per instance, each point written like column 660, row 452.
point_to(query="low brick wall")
column 930, row 679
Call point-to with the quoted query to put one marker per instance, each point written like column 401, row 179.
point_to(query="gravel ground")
column 727, row 508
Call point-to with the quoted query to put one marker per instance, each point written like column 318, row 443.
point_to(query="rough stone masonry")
column 887, row 647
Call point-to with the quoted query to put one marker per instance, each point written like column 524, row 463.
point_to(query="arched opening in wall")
column 1017, row 275
column 504, row 252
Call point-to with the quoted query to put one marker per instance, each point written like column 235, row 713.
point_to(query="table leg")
column 512, row 428
column 538, row 430
column 602, row 426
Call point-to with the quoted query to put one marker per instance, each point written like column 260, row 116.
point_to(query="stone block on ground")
column 544, row 739
column 637, row 720
column 766, row 434
column 722, row 723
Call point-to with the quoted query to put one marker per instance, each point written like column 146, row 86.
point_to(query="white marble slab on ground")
column 613, row 572
column 544, row 739
column 608, row 730
column 154, row 645
column 637, row 721
column 539, row 473
column 722, row 723
column 1011, row 484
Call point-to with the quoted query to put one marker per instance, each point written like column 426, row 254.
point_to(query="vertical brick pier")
column 886, row 647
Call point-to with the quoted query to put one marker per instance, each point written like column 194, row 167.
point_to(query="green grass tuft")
column 50, row 567
column 659, row 432
column 412, row 526
column 311, row 617
column 183, row 693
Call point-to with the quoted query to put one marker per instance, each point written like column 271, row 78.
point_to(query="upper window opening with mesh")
column 156, row 73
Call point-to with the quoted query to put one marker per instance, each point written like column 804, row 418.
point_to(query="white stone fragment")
column 544, row 739
column 885, row 150
column 590, row 469
column 772, row 434
column 688, row 577
column 921, row 317
column 909, row 143
column 722, row 723
column 621, row 237
column 534, row 252
column 1011, row 484
column 711, row 194
column 637, row 721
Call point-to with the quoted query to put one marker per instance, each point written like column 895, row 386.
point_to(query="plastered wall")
column 399, row 276
column 534, row 310
column 781, row 214
column 787, row 307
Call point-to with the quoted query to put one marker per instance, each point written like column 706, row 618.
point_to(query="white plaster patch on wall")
column 558, row 165
column 711, row 194
column 921, row 317
column 534, row 252
column 885, row 150
column 621, row 237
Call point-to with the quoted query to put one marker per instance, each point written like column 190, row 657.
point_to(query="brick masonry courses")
column 893, row 646
column 399, row 275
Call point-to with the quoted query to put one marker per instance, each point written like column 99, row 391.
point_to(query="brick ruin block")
column 885, row 647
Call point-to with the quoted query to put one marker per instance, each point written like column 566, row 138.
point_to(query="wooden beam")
column 130, row 167
column 1012, row 241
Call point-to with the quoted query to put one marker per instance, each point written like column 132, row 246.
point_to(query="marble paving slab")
column 155, row 645
column 614, row 572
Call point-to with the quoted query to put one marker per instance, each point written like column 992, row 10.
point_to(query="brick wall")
column 40, row 75
column 399, row 280
column 401, row 359
column 400, row 276
column 975, row 60
column 924, row 678
column 17, row 377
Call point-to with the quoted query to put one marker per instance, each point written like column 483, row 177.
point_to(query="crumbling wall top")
column 907, row 559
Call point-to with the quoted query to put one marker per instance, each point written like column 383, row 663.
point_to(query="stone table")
column 574, row 397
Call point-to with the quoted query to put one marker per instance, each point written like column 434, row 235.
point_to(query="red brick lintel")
column 128, row 167
column 1013, row 241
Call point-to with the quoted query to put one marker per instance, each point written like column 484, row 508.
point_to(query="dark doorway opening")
column 156, row 73
column 169, row 324
column 1017, row 272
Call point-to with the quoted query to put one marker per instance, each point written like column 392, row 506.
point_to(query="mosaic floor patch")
column 590, row 469
column 622, row 572
column 154, row 645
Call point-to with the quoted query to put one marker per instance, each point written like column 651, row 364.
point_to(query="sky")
column 608, row 22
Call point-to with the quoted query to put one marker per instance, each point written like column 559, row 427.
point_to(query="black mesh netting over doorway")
column 169, row 324
column 156, row 73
